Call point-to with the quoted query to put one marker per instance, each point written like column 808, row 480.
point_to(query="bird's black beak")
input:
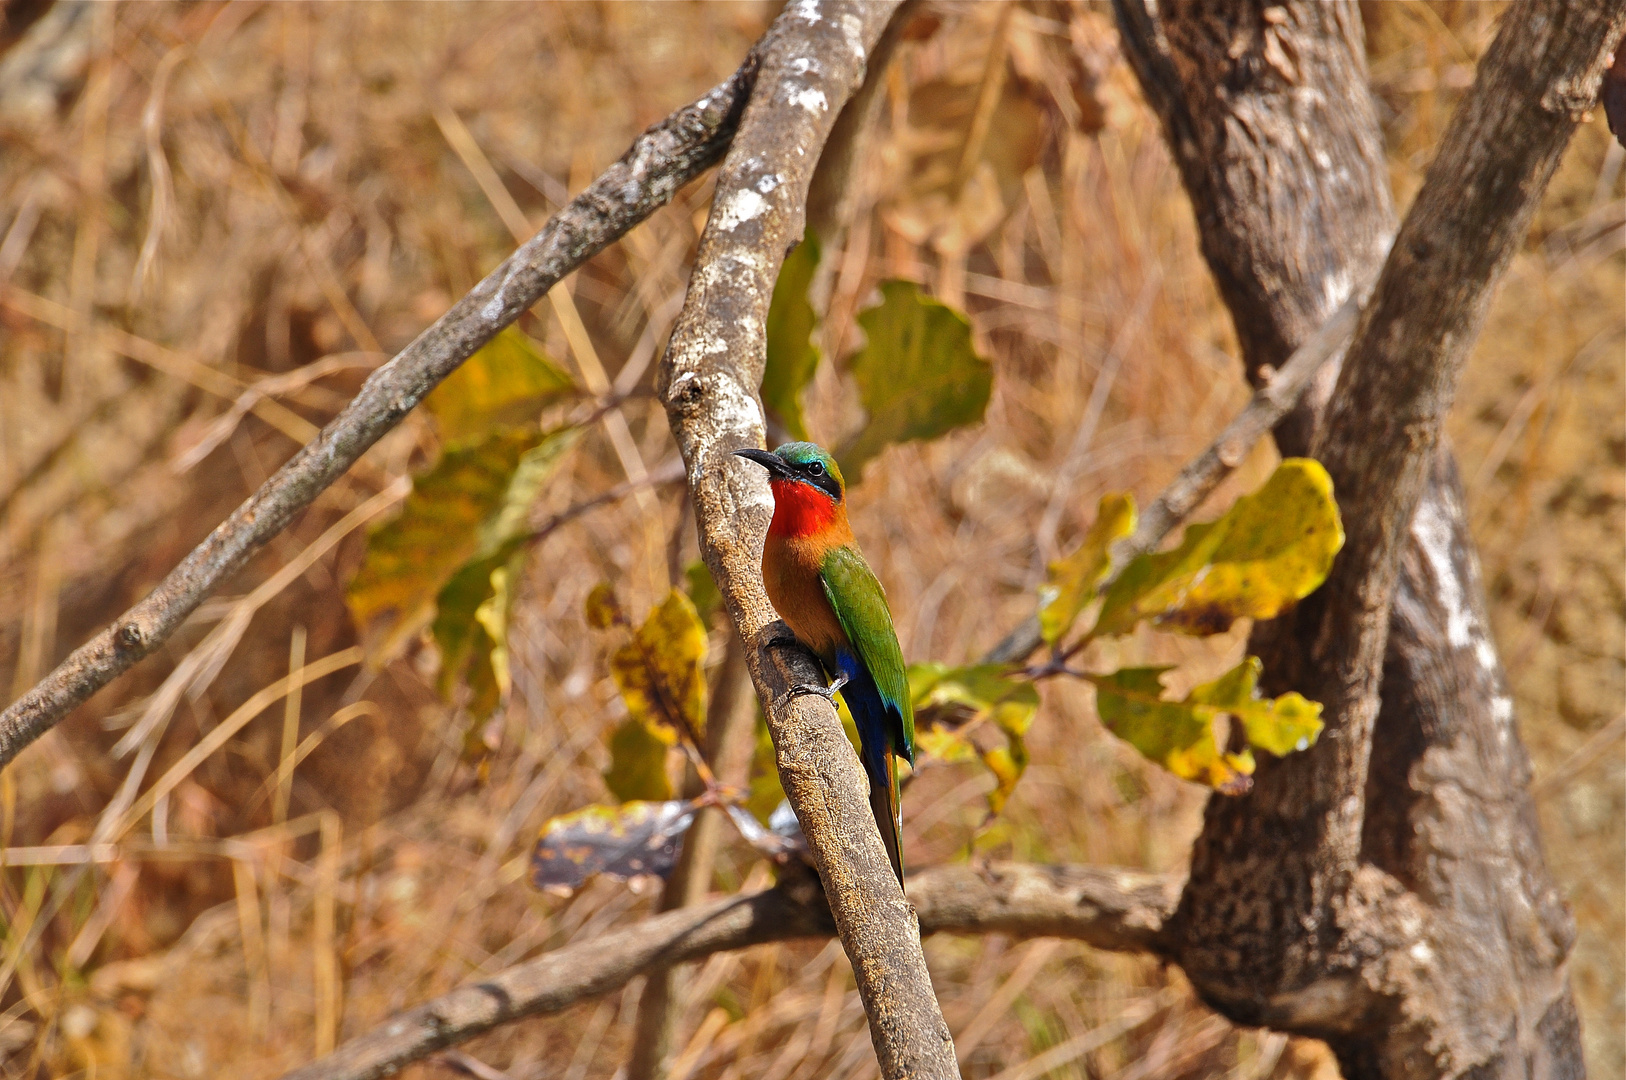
column 772, row 462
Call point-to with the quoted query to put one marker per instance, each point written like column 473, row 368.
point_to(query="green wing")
column 860, row 607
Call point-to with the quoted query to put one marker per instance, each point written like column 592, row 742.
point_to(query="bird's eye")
column 816, row 469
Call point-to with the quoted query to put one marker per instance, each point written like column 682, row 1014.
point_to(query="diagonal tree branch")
column 813, row 62
column 659, row 162
column 1109, row 909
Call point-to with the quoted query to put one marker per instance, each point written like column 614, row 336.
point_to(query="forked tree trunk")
column 1268, row 114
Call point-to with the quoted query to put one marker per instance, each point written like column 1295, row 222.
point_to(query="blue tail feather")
column 875, row 719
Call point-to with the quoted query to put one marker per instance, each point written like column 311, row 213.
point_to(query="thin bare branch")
column 1109, row 909
column 660, row 161
column 812, row 63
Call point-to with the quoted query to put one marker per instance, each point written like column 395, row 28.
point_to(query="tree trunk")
column 1270, row 121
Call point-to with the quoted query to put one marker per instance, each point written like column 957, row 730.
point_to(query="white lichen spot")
column 769, row 182
column 1433, row 534
column 1501, row 710
column 853, row 27
column 802, row 65
column 1421, row 953
column 679, row 384
column 812, row 100
column 741, row 206
column 712, row 346
column 808, row 11
column 493, row 307
column 1335, row 289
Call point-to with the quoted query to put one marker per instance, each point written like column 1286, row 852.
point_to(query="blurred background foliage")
column 217, row 218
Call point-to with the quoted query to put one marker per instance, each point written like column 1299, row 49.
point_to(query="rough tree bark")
column 812, row 62
column 1398, row 907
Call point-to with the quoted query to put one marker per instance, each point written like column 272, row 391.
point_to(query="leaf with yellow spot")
column 1072, row 581
column 506, row 382
column 633, row 840
column 1270, row 550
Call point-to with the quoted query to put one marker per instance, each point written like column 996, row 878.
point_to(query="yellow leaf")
column 1072, row 581
column 1270, row 550
column 602, row 609
column 660, row 670
column 945, row 746
column 467, row 514
column 506, row 382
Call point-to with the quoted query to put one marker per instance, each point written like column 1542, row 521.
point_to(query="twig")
column 1109, row 909
column 1572, row 766
column 660, row 161
column 813, row 60
column 1269, row 404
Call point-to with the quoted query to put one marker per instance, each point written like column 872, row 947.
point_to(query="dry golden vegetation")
column 199, row 199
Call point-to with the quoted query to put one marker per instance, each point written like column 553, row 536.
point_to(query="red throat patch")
column 799, row 509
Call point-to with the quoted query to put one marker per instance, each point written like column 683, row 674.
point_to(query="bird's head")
column 808, row 491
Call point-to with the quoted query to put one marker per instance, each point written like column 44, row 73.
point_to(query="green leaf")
column 659, row 671
column 1270, row 550
column 766, row 792
column 637, row 764
column 633, row 840
column 945, row 745
column 1072, row 581
column 469, row 508
column 506, row 382
column 792, row 356
column 918, row 373
column 948, row 701
column 702, row 590
column 1179, row 735
column 1277, row 725
column 979, row 691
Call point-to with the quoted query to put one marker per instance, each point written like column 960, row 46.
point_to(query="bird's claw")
column 828, row 693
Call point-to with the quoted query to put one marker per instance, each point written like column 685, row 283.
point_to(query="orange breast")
column 790, row 573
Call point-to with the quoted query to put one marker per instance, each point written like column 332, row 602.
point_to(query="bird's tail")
column 884, row 803
column 873, row 717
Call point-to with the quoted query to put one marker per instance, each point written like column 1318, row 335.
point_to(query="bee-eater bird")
column 821, row 586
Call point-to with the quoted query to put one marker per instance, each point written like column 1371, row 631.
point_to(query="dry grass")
column 283, row 167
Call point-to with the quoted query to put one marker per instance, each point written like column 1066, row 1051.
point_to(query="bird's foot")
column 828, row 693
